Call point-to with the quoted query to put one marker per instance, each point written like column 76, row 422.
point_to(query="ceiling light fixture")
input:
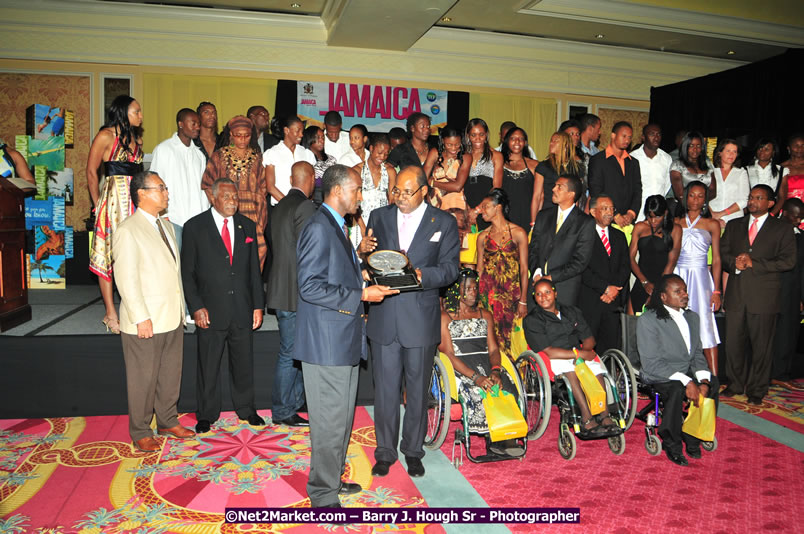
column 731, row 52
column 599, row 36
column 446, row 19
column 295, row 4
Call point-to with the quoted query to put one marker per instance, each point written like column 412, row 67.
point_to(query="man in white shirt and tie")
column 669, row 341
column 561, row 244
column 654, row 166
column 404, row 330
column 602, row 296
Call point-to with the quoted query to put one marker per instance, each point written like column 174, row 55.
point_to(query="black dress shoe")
column 349, row 488
column 255, row 420
column 415, row 467
column 694, row 453
column 677, row 459
column 380, row 469
column 730, row 392
column 293, row 420
column 202, row 426
column 756, row 401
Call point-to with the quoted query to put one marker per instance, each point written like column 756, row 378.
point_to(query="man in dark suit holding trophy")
column 405, row 329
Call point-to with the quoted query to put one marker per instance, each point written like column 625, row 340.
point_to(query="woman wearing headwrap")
column 238, row 158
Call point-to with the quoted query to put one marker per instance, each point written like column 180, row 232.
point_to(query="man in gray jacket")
column 669, row 341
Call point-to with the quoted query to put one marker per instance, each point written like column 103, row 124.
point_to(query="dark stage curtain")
column 744, row 103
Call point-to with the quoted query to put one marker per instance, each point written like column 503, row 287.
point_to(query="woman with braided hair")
column 467, row 339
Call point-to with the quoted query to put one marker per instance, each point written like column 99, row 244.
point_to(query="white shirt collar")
column 564, row 213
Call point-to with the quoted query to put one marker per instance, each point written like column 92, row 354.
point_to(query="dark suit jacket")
column 414, row 318
column 287, row 220
column 662, row 350
column 605, row 176
column 773, row 251
column 604, row 270
column 230, row 293
column 567, row 253
column 329, row 317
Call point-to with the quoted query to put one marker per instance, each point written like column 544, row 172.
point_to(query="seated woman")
column 561, row 332
column 672, row 361
column 467, row 339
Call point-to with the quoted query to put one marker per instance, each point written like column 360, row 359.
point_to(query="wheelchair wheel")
column 617, row 444
column 622, row 373
column 566, row 443
column 538, row 394
column 439, row 403
column 653, row 445
column 709, row 446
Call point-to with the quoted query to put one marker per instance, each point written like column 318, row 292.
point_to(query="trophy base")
column 402, row 282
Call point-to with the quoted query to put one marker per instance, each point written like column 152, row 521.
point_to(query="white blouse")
column 734, row 189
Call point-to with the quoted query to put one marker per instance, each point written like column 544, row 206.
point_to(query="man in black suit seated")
column 603, row 280
column 287, row 220
column 615, row 173
column 223, row 289
column 669, row 341
column 405, row 329
column 561, row 243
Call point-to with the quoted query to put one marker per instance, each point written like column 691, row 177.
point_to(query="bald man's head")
column 302, row 176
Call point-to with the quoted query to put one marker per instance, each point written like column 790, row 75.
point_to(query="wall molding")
column 294, row 46
column 634, row 15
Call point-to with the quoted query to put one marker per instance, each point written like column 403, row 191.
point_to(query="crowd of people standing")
column 586, row 220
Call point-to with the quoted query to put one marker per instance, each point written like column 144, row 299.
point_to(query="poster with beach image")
column 61, row 184
column 47, row 273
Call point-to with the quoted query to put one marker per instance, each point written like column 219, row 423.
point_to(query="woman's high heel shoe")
column 112, row 325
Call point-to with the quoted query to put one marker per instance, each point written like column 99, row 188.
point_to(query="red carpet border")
column 749, row 484
column 82, row 475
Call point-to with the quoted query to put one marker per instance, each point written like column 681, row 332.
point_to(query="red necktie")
column 752, row 232
column 227, row 240
column 606, row 243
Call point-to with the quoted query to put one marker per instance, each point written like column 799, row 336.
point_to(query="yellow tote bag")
column 518, row 342
column 503, row 415
column 595, row 395
column 700, row 421
column 469, row 249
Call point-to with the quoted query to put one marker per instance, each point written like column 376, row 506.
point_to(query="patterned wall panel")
column 609, row 117
column 19, row 90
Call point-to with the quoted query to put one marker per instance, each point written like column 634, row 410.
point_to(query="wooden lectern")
column 14, row 307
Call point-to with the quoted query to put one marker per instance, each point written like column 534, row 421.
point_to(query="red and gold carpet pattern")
column 749, row 484
column 782, row 405
column 66, row 475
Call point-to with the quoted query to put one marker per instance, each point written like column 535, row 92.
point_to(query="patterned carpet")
column 783, row 406
column 742, row 486
column 82, row 475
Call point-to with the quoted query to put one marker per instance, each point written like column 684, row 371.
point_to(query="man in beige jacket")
column 148, row 276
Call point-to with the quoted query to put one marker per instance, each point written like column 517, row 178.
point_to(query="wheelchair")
column 445, row 404
column 651, row 413
column 621, row 398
